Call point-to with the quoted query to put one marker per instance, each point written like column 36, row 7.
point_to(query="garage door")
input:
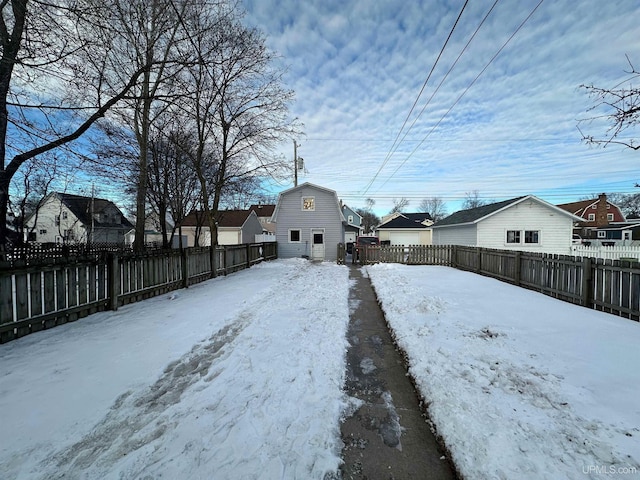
column 404, row 238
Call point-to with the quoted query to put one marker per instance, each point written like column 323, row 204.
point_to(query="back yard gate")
column 43, row 295
column 608, row 285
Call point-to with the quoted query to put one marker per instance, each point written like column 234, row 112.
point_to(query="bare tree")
column 237, row 108
column 145, row 32
column 618, row 106
column 435, row 207
column 369, row 219
column 41, row 45
column 31, row 185
column 172, row 187
column 399, row 205
column 473, row 200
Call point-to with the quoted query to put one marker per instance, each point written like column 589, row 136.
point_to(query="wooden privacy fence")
column 36, row 297
column 608, row 285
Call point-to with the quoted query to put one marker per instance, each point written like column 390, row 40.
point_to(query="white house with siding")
column 405, row 229
column 309, row 223
column 524, row 223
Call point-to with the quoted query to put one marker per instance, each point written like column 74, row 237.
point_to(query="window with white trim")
column 294, row 236
column 602, row 234
column 309, row 203
column 513, row 236
column 610, row 217
column 591, row 217
column 532, row 236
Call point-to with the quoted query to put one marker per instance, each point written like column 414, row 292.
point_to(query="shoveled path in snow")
column 387, row 437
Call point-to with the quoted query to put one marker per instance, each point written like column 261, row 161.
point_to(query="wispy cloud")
column 357, row 67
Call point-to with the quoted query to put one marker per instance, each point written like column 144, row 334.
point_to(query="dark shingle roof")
column 225, row 218
column 473, row 214
column 263, row 210
column 404, row 222
column 82, row 208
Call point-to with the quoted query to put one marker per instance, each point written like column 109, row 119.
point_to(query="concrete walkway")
column 388, row 436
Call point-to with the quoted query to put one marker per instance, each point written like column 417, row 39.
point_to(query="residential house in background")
column 153, row 232
column 264, row 213
column 597, row 215
column 66, row 218
column 309, row 223
column 235, row 227
column 524, row 223
column 405, row 229
column 354, row 227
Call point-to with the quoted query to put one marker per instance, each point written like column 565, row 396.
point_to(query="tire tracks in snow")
column 137, row 418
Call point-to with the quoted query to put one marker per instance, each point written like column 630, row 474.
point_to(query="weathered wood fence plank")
column 608, row 285
column 36, row 297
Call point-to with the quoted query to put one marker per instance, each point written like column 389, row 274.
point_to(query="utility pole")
column 295, row 163
column 93, row 221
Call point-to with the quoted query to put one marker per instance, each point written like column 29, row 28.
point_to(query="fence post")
column 518, row 268
column 185, row 268
column 114, row 280
column 213, row 254
column 454, row 256
column 479, row 263
column 248, row 247
column 587, row 282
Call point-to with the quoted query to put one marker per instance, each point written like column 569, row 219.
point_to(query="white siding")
column 554, row 227
column 326, row 215
column 456, row 235
column 399, row 236
column 229, row 236
column 53, row 231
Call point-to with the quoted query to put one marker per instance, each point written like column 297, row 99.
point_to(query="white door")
column 317, row 244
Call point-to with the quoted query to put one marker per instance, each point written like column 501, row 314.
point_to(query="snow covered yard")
column 519, row 385
column 237, row 377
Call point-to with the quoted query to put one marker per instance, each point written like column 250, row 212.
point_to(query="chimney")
column 601, row 211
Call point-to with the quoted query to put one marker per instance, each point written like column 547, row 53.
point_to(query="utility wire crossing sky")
column 420, row 99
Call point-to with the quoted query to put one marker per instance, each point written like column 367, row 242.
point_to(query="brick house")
column 598, row 213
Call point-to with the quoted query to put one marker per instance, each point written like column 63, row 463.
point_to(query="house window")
column 308, row 203
column 350, row 219
column 42, row 231
column 532, row 236
column 57, row 220
column 68, row 234
column 602, row 234
column 594, row 206
column 513, row 236
column 610, row 217
column 64, row 215
column 591, row 217
column 294, row 236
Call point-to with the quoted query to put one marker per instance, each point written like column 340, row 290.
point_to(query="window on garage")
column 294, row 236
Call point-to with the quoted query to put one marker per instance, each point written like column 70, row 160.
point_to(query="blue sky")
column 358, row 66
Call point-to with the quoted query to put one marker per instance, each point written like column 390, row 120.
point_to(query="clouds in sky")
column 357, row 68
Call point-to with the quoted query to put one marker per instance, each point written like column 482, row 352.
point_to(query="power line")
column 465, row 91
column 417, row 98
column 446, row 75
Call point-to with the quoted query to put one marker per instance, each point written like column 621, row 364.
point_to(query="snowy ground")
column 237, row 377
column 519, row 385
column 242, row 376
